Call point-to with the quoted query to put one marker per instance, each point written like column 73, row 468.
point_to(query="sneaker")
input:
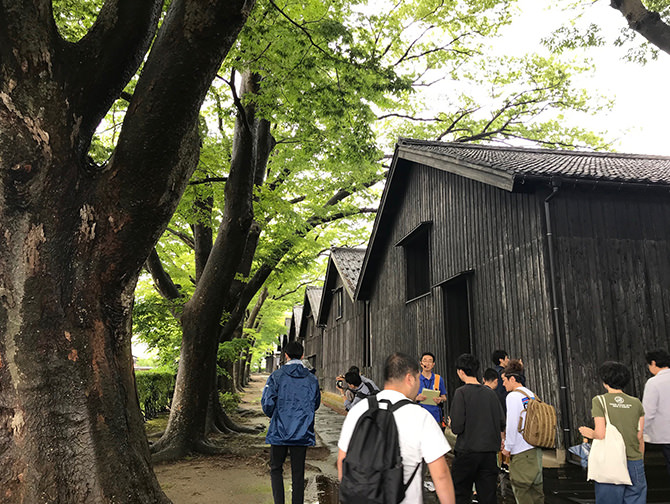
column 428, row 485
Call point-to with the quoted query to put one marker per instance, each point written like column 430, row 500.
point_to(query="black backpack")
column 372, row 471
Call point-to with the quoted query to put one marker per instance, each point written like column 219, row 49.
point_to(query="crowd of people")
column 482, row 427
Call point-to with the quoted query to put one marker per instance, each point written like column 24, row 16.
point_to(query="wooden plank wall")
column 342, row 338
column 312, row 342
column 497, row 234
column 613, row 254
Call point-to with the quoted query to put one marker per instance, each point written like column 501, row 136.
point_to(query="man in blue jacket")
column 290, row 398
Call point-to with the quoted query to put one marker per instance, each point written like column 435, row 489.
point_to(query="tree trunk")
column 75, row 235
column 202, row 314
column 228, row 384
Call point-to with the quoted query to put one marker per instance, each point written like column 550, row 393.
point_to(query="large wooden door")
column 457, row 327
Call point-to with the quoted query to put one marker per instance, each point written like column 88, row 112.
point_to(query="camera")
column 339, row 383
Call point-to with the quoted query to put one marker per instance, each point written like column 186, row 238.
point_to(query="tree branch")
column 158, row 147
column 104, row 61
column 162, row 280
column 288, row 293
column 208, row 180
column 188, row 240
column 302, row 29
column 645, row 22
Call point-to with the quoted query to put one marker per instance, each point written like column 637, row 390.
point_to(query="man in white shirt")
column 656, row 402
column 525, row 468
column 419, row 436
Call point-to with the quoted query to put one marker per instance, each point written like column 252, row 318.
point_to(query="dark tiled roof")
column 348, row 262
column 516, row 161
column 313, row 295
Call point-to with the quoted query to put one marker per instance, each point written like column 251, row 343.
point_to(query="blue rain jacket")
column 290, row 398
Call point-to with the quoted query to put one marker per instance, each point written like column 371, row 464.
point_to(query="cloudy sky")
column 639, row 119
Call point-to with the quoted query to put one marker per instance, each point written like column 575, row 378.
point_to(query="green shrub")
column 154, row 390
column 229, row 401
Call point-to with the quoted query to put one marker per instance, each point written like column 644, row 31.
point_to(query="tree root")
column 163, row 452
column 223, row 420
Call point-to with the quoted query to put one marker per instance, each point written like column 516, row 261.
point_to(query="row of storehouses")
column 561, row 258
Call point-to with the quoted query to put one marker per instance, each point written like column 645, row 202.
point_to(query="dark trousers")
column 666, row 453
column 277, row 457
column 480, row 468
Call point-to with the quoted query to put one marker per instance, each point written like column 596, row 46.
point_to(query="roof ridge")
column 537, row 150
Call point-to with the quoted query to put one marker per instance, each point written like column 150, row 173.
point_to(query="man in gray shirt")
column 656, row 402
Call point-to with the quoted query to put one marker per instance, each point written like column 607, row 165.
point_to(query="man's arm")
column 512, row 416
column 340, row 457
column 457, row 413
column 444, row 487
column 650, row 402
column 443, row 391
column 269, row 398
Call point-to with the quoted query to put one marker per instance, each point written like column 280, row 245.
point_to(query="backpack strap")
column 409, row 481
column 396, row 406
column 520, row 427
column 436, row 385
column 393, row 408
column 534, row 398
column 372, row 402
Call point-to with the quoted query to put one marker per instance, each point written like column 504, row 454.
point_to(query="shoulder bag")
column 607, row 459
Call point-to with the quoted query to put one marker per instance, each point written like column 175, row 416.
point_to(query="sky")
column 642, row 107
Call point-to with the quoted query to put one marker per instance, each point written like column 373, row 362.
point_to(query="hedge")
column 154, row 391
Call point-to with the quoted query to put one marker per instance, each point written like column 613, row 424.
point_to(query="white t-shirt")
column 656, row 403
column 514, row 441
column 419, row 436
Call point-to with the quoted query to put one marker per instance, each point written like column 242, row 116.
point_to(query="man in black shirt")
column 478, row 420
column 500, row 360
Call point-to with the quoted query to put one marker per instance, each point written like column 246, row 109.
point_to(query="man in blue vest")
column 290, row 398
column 431, row 381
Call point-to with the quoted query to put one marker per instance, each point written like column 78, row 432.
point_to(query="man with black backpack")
column 384, row 440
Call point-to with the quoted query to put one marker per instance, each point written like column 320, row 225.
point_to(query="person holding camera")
column 354, row 389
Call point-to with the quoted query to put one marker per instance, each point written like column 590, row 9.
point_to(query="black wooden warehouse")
column 342, row 318
column 562, row 258
column 310, row 334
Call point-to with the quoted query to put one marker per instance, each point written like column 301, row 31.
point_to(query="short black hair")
column 614, row 374
column 497, row 355
column 429, row 354
column 294, row 350
column 398, row 365
column 468, row 363
column 660, row 356
column 490, row 374
column 355, row 369
column 352, row 378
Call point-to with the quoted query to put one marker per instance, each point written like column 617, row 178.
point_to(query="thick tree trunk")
column 75, row 235
column 186, row 429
